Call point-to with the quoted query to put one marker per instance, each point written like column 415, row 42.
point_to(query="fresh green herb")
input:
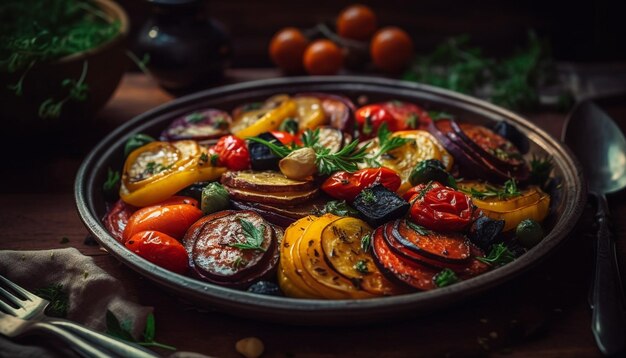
column 110, row 185
column 424, row 191
column 507, row 191
column 136, row 141
column 252, row 106
column 498, row 256
column 368, row 196
column 77, row 90
column 412, row 121
column 121, row 330
column 253, row 236
column 64, row 240
column 361, row 266
column 289, row 125
column 240, row 262
column 445, row 277
column 220, row 123
column 540, row 169
column 59, row 300
column 213, row 159
column 418, row 228
column 204, row 158
column 366, row 242
column 155, row 168
column 367, row 125
column 437, row 115
column 511, row 82
column 327, row 162
column 195, row 117
column 387, row 142
column 337, row 207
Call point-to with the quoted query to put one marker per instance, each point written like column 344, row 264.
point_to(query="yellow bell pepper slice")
column 310, row 113
column 269, row 121
column 536, row 211
column 528, row 196
column 158, row 170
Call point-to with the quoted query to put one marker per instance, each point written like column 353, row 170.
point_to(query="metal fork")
column 32, row 307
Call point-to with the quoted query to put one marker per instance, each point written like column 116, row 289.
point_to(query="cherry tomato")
column 357, row 22
column 323, row 57
column 287, row 49
column 160, row 249
column 173, row 220
column 116, row 219
column 179, row 199
column 407, row 115
column 346, row 186
column 369, row 118
column 232, row 152
column 440, row 208
column 286, row 138
column 391, row 49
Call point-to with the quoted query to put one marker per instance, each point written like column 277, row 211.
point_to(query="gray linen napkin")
column 91, row 291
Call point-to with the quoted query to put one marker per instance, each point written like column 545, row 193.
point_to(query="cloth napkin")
column 91, row 292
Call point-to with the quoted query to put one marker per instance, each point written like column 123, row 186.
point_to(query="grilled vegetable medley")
column 308, row 196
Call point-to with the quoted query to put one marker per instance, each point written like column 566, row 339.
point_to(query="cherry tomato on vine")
column 323, row 57
column 287, row 49
column 160, row 249
column 391, row 49
column 346, row 186
column 357, row 22
column 232, row 152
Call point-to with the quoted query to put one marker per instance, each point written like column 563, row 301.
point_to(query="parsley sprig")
column 498, row 256
column 507, row 191
column 445, row 277
column 58, row 297
column 253, row 235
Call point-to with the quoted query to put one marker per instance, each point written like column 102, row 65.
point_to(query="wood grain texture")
column 543, row 313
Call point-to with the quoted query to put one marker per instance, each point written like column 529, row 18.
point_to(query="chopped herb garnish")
column 437, row 115
column 367, row 125
column 412, row 121
column 121, row 330
column 540, row 169
column 289, row 125
column 220, row 123
column 498, row 256
column 445, row 277
column 155, row 168
column 204, row 158
column 59, row 300
column 366, row 242
column 418, row 228
column 368, row 196
column 507, row 191
column 213, row 159
column 424, row 191
column 361, row 266
column 253, row 236
column 195, row 117
column 252, row 106
column 110, row 185
column 337, row 207
column 136, row 141
column 239, row 262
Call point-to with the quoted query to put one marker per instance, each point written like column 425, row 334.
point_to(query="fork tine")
column 8, row 308
column 11, row 297
column 15, row 287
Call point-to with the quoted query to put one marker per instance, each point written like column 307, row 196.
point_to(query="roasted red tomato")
column 346, row 186
column 177, row 199
column 407, row 115
column 173, row 220
column 440, row 208
column 369, row 118
column 160, row 249
column 232, row 152
column 116, row 219
column 286, row 138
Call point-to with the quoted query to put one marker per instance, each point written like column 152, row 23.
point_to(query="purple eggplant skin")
column 270, row 216
column 332, row 138
column 339, row 110
column 198, row 125
column 497, row 162
column 514, row 135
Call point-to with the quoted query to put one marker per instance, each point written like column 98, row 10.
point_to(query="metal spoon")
column 601, row 148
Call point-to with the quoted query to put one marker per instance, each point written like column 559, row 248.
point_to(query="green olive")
column 529, row 233
column 214, row 198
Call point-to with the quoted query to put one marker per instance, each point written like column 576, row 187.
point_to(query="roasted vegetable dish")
column 308, row 196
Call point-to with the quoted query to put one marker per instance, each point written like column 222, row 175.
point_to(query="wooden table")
column 543, row 313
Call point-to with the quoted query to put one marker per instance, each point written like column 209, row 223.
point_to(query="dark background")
column 577, row 31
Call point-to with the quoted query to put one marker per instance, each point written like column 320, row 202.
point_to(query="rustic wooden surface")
column 543, row 313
